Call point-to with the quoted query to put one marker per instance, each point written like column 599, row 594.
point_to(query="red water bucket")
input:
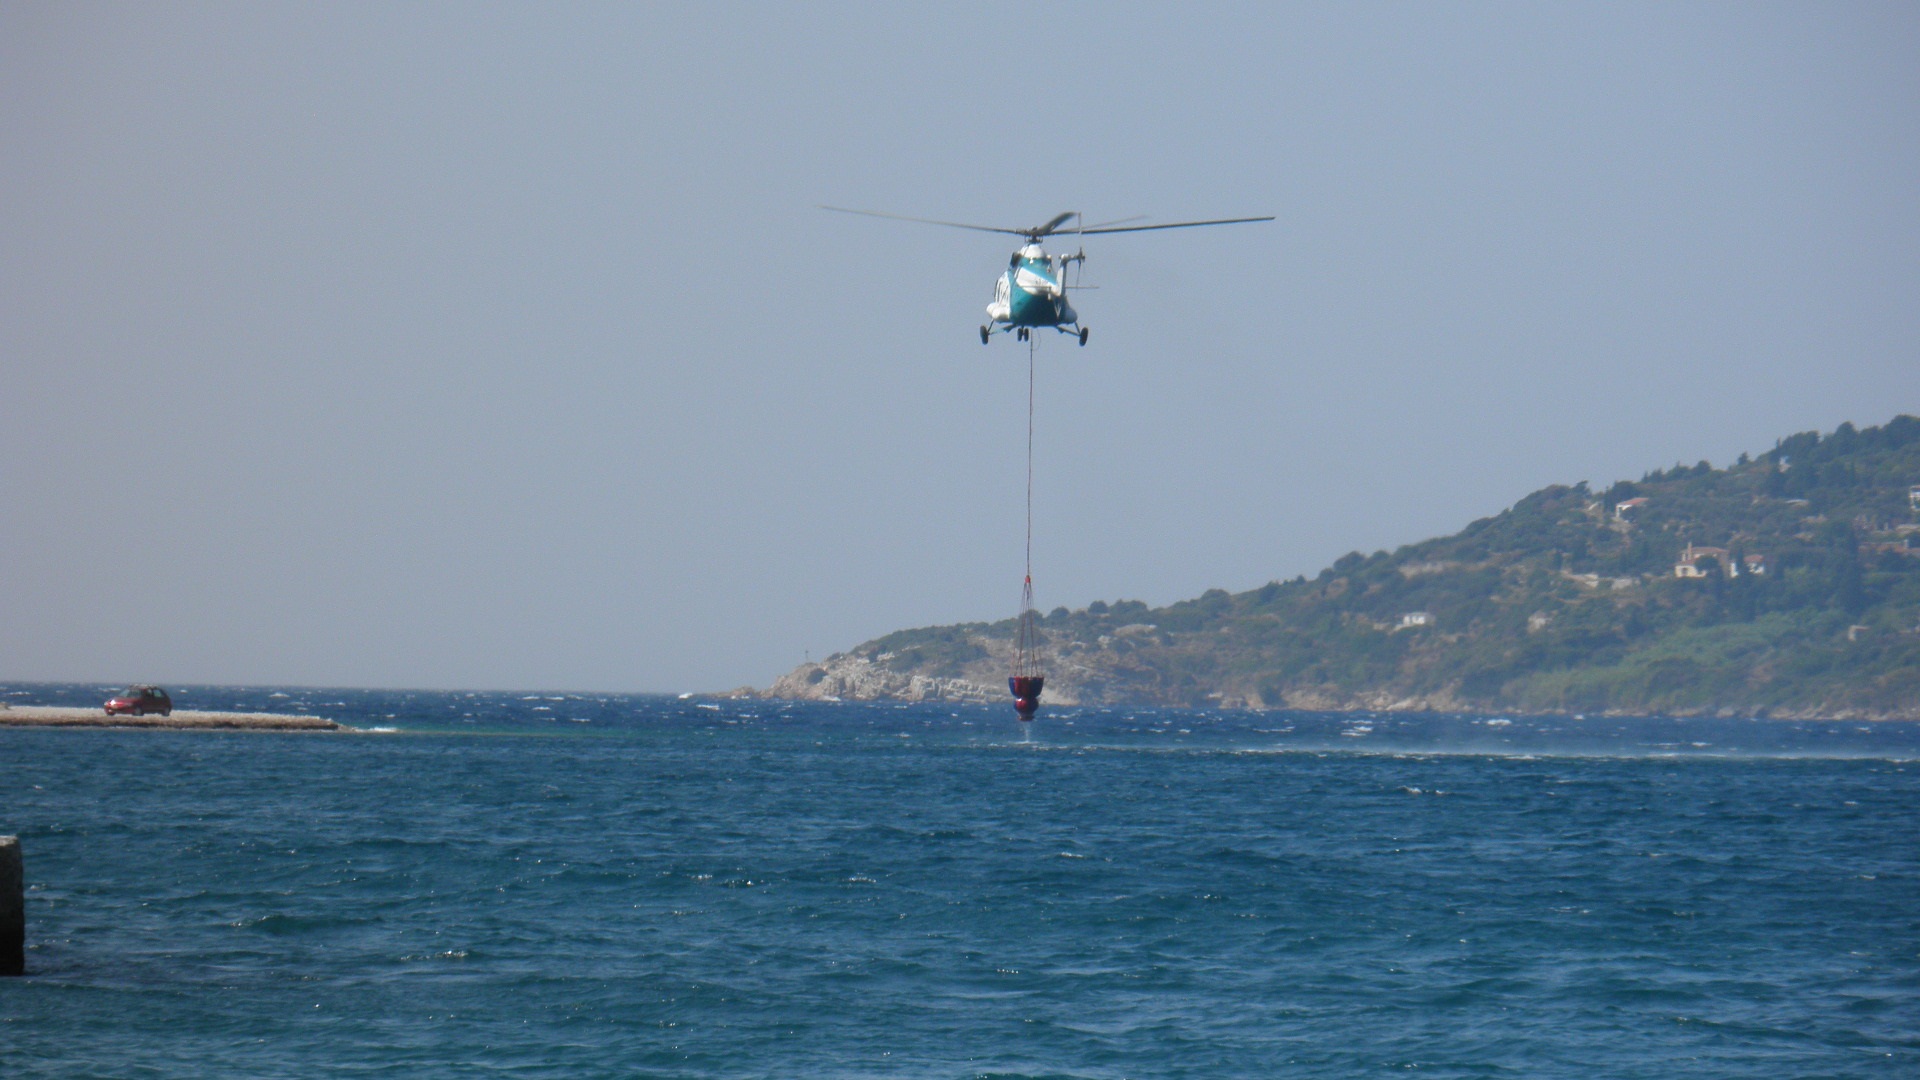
column 1026, row 694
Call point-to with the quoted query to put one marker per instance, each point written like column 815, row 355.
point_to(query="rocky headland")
column 1784, row 585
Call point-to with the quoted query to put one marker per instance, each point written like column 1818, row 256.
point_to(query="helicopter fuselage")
column 1032, row 293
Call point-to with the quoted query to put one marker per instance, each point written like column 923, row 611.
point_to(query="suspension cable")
column 1026, row 649
column 1030, row 462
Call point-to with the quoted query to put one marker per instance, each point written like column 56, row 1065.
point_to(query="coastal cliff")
column 867, row 676
column 1785, row 584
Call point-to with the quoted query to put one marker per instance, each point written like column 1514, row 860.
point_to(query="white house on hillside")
column 1689, row 564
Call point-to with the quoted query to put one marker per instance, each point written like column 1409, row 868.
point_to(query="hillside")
column 1786, row 584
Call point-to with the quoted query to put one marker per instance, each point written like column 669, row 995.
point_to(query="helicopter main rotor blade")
column 1104, row 224
column 929, row 221
column 1049, row 227
column 1178, row 225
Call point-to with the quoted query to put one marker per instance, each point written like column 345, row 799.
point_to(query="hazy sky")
column 503, row 346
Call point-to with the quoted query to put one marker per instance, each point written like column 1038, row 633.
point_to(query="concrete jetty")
column 181, row 719
column 13, row 908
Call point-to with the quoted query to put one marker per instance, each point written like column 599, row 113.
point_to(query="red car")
column 139, row 701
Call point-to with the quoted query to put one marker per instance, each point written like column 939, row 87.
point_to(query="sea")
column 485, row 884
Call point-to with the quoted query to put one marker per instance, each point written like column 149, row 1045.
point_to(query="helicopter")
column 1032, row 293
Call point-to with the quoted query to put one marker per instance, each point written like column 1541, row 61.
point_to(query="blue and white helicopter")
column 1033, row 291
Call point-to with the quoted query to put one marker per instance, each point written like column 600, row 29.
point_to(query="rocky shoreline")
column 180, row 720
column 858, row 677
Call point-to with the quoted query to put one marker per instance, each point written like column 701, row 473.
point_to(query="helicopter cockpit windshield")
column 1032, row 260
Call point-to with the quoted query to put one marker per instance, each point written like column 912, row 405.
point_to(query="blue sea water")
column 557, row 885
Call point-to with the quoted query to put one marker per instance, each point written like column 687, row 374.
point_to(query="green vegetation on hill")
column 1808, row 604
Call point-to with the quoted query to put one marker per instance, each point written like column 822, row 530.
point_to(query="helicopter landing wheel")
column 984, row 332
column 1023, row 333
column 1083, row 337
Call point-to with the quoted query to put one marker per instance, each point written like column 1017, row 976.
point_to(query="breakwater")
column 180, row 719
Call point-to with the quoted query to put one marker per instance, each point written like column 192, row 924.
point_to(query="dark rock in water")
column 13, row 909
